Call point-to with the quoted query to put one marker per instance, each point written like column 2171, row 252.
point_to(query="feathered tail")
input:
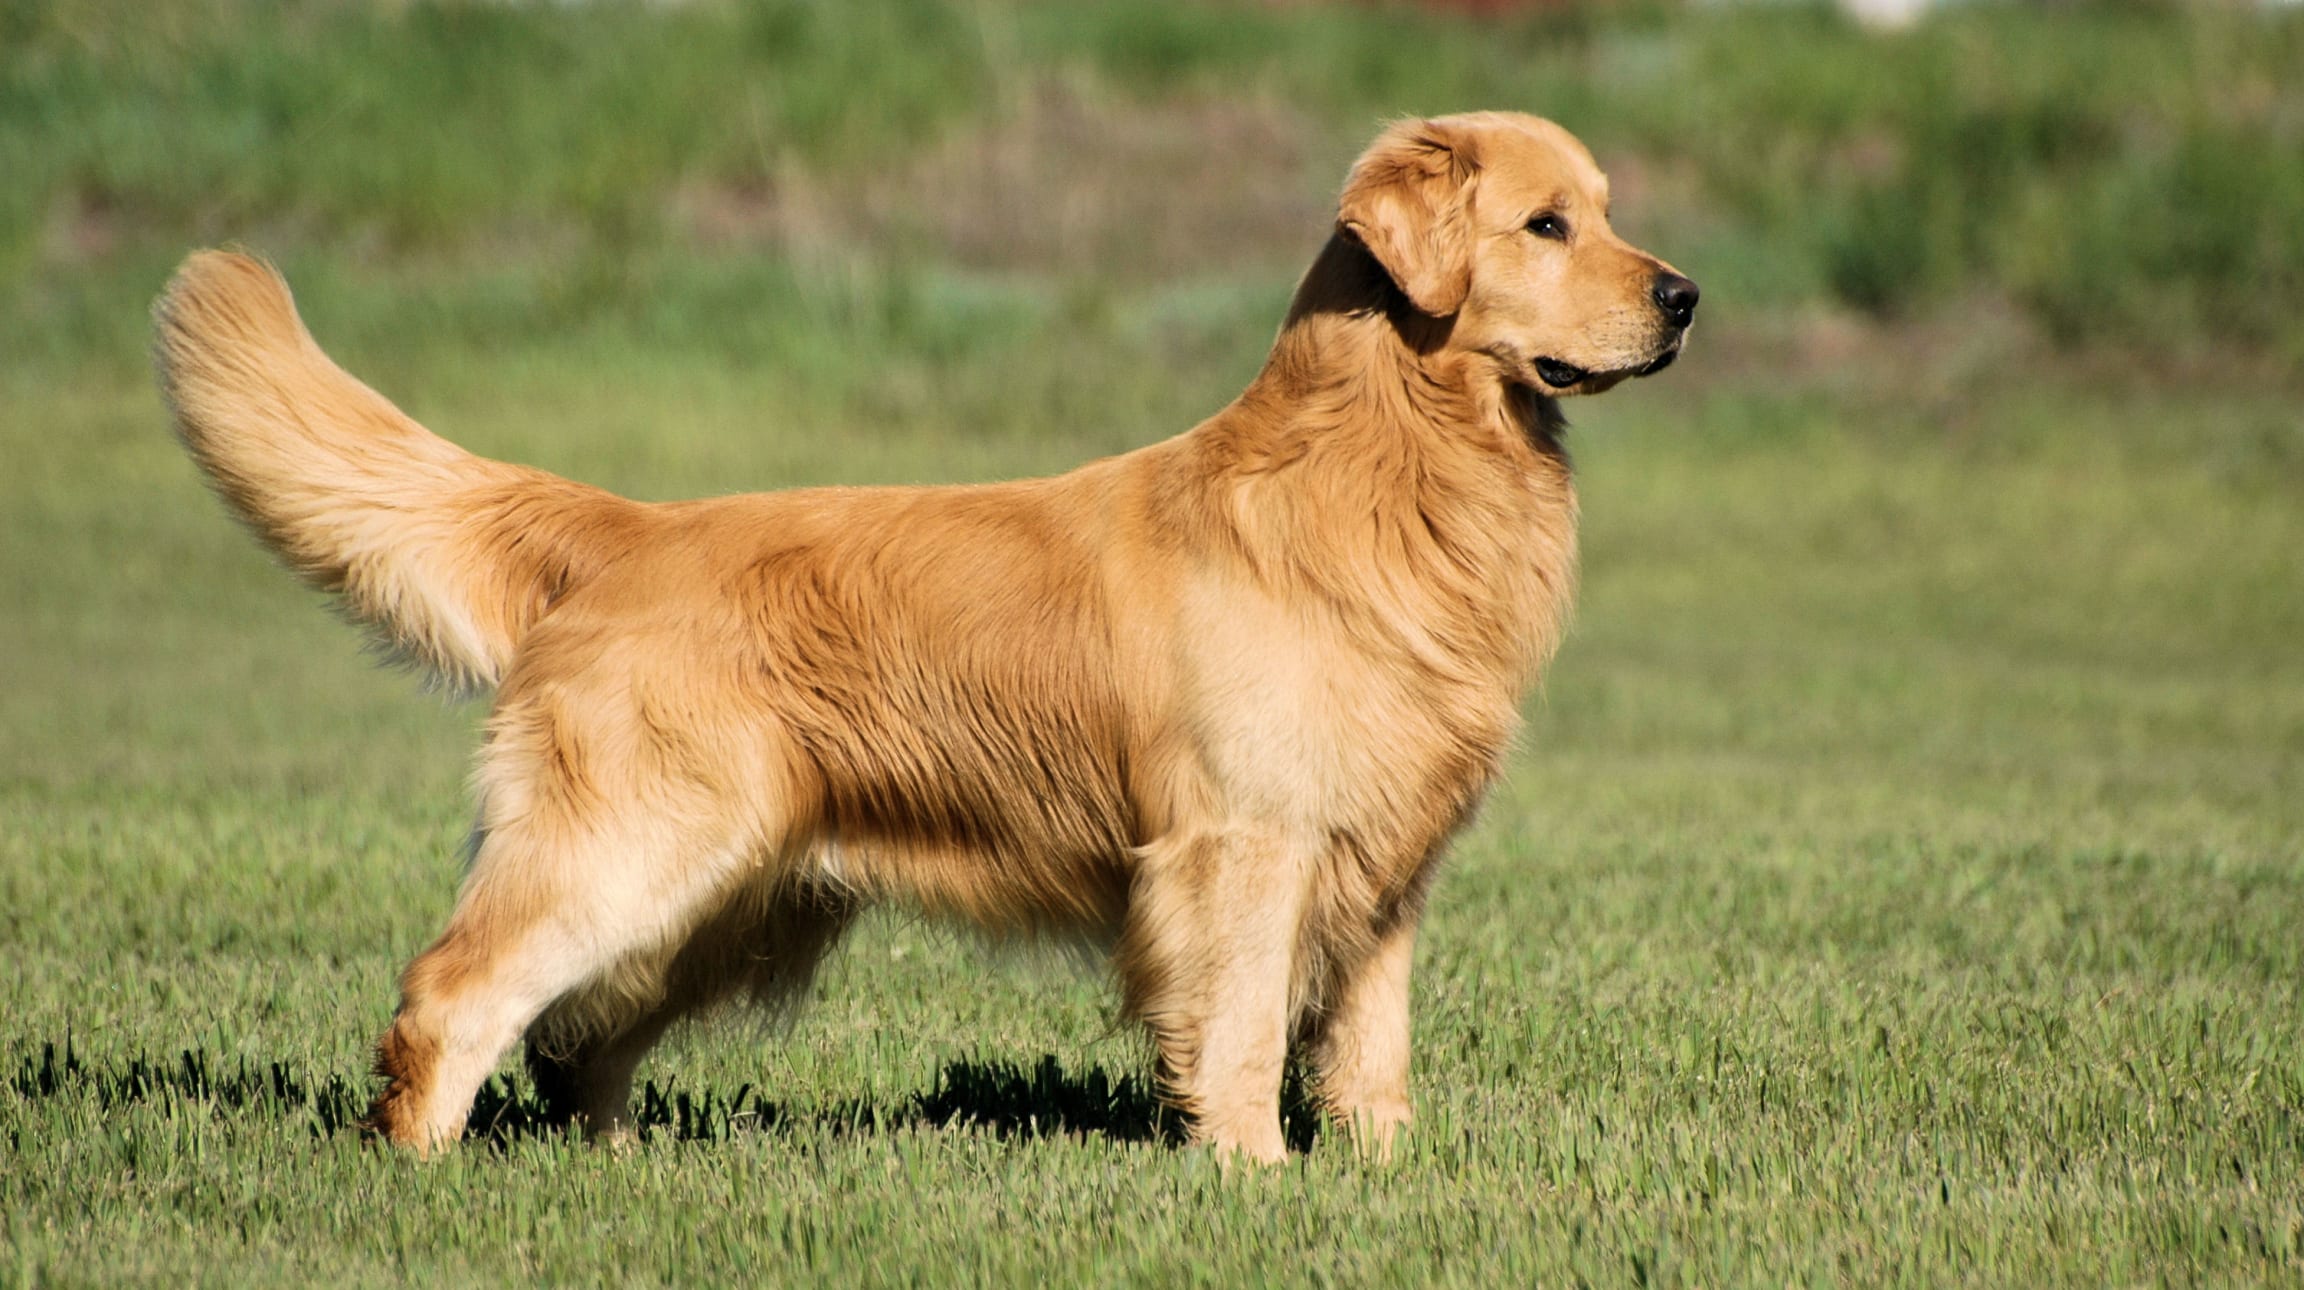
column 450, row 557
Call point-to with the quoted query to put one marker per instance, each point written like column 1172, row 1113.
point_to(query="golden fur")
column 1219, row 702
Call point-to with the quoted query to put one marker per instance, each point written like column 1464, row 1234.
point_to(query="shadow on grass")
column 330, row 1103
column 1010, row 1101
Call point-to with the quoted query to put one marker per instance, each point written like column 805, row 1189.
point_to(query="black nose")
column 1676, row 296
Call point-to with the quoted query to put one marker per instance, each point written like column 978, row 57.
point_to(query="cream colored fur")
column 1219, row 702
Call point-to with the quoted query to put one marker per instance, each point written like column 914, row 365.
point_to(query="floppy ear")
column 1406, row 201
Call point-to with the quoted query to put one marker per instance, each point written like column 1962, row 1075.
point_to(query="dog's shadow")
column 1006, row 1099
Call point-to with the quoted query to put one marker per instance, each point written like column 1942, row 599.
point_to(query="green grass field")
column 1903, row 874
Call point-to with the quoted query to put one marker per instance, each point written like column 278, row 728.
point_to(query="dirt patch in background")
column 1063, row 183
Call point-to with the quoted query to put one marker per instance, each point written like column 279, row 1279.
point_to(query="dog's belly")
column 973, row 820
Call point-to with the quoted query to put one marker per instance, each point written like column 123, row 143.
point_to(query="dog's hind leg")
column 788, row 942
column 538, row 920
column 599, row 858
column 1207, row 960
column 587, row 1084
column 1359, row 1045
column 769, row 947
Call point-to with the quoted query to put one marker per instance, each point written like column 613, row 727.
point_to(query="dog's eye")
column 1549, row 225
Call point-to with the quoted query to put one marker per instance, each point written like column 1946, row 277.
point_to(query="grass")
column 1898, row 883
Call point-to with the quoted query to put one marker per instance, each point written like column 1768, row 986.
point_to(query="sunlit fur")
column 1218, row 703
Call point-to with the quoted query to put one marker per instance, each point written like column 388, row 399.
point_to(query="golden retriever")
column 1218, row 703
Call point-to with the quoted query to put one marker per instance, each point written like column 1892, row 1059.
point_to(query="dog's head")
column 1499, row 222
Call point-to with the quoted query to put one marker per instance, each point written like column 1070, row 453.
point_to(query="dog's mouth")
column 1557, row 374
column 1562, row 376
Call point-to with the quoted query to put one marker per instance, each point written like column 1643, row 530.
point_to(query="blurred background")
column 2075, row 176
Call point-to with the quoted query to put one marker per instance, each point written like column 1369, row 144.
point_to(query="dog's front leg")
column 1207, row 961
column 1359, row 1046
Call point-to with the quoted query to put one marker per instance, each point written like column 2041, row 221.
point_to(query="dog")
column 1217, row 704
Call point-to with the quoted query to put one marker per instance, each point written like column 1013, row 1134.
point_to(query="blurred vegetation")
column 2123, row 177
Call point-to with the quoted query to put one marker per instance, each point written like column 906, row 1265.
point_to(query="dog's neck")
column 1351, row 336
column 1364, row 410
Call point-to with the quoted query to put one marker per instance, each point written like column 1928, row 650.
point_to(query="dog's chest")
column 1297, row 716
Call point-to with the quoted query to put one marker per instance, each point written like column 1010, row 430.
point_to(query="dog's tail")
column 449, row 557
